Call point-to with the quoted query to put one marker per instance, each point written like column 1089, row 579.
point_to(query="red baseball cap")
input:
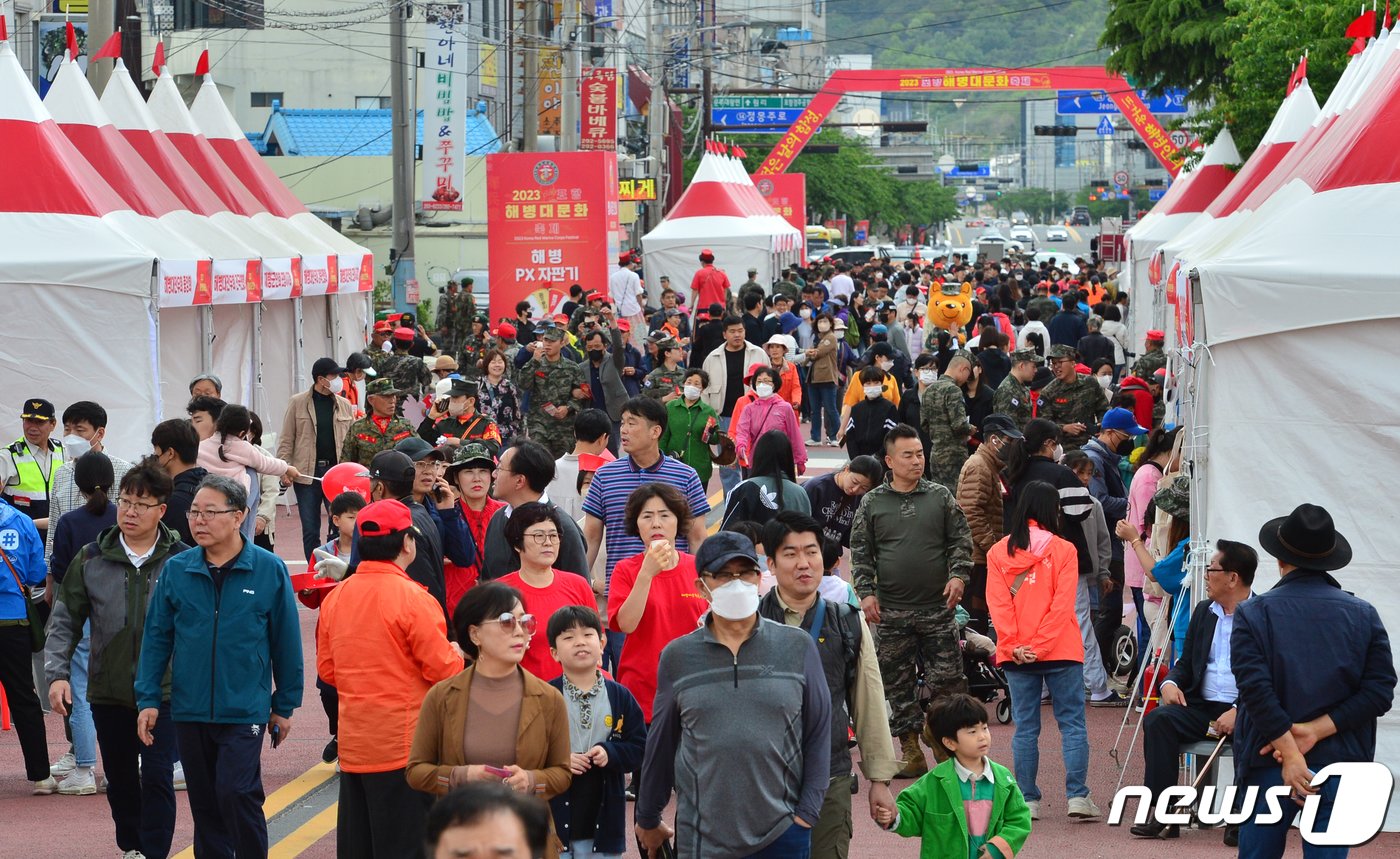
column 402, row 333
column 624, row 325
column 384, row 519
column 505, row 330
column 383, row 327
column 595, row 295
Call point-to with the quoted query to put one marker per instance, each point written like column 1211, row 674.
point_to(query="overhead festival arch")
column 1094, row 78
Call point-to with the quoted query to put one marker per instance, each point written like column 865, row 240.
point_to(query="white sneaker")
column 179, row 776
column 80, row 782
column 133, row 854
column 1083, row 807
column 1034, row 806
column 45, row 787
column 63, row 766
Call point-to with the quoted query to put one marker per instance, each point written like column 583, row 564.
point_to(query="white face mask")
column 886, row 366
column 692, row 392
column 1059, row 453
column 337, row 385
column 734, row 600
column 928, row 377
column 1104, row 381
column 873, row 391
column 75, row 446
column 764, row 391
column 456, row 408
column 806, row 313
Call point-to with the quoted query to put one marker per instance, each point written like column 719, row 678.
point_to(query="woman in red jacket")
column 1032, row 576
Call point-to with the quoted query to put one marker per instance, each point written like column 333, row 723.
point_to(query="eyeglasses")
column 748, row 575
column 1218, row 570
column 509, row 621
column 544, row 538
column 430, row 465
column 206, row 515
column 138, row 506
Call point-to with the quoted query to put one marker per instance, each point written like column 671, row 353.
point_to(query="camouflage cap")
column 1025, row 355
column 381, row 388
column 1060, row 350
column 667, row 343
column 1174, row 497
column 554, row 333
column 473, row 453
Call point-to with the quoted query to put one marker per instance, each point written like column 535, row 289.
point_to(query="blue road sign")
column 780, row 117
column 1105, row 128
column 1072, row 101
column 982, row 170
column 1155, row 194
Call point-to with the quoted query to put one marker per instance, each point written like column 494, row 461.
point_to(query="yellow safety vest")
column 31, row 494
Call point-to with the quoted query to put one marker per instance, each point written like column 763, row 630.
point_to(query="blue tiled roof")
column 256, row 139
column 325, row 133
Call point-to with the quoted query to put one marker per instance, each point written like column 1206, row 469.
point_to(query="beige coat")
column 297, row 443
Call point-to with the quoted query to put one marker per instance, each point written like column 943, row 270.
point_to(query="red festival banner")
column 598, row 123
column 787, row 194
column 551, row 220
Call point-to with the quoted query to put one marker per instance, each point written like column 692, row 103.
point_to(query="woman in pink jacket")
column 1153, row 463
column 768, row 412
column 229, row 453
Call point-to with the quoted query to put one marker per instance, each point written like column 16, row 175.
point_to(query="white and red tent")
column 723, row 211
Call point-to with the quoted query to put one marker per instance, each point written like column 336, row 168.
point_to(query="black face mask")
column 595, row 354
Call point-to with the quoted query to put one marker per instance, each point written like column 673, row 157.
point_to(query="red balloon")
column 345, row 477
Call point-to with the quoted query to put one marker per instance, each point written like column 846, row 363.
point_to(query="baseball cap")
column 506, row 331
column 393, row 465
column 417, row 449
column 722, row 548
column 1121, row 420
column 1025, row 355
column 595, row 295
column 384, row 519
column 38, row 410
column 552, row 334
column 402, row 333
column 754, row 368
column 624, row 325
column 360, row 361
column 383, row 327
column 879, row 328
column 1000, row 425
column 326, row 367
column 381, row 388
column 666, row 343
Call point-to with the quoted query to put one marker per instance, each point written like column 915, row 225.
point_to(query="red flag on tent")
column 112, row 48
column 1364, row 26
column 159, row 61
column 1298, row 75
column 738, row 153
column 4, row 31
column 1357, row 47
column 203, row 67
column 72, row 40
column 1385, row 24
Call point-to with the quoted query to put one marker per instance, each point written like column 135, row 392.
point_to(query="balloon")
column 345, row 477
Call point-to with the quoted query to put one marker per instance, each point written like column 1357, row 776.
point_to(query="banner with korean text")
column 444, row 99
column 787, row 194
column 551, row 220
column 598, row 121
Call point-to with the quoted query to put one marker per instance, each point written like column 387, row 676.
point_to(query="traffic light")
column 1056, row 130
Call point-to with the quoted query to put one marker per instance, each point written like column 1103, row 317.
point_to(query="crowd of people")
column 522, row 598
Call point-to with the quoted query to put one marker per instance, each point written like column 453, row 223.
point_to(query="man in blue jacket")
column 1314, row 671
column 23, row 549
column 223, row 621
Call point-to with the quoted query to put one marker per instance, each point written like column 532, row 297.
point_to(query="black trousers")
column 223, row 777
column 141, row 789
column 1163, row 732
column 17, row 678
column 1110, row 615
column 330, row 702
column 380, row 816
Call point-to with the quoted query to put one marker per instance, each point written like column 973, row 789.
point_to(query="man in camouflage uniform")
column 382, row 333
column 1013, row 398
column 1153, row 359
column 408, row 373
column 379, row 430
column 912, row 558
column 455, row 420
column 449, row 306
column 943, row 413
column 1073, row 401
column 664, row 383
column 787, row 286
column 473, row 349
column 555, row 386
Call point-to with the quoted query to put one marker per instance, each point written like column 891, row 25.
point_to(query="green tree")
column 1169, row 43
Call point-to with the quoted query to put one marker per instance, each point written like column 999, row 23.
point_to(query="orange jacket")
column 1041, row 615
column 791, row 387
column 382, row 642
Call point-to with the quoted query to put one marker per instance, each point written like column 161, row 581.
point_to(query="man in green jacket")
column 223, row 622
column 109, row 586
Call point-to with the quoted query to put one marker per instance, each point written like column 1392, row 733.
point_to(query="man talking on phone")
column 222, row 620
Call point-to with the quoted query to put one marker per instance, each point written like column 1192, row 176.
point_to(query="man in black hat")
column 29, row 466
column 1314, row 671
column 454, row 419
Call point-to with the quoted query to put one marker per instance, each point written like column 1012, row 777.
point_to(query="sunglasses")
column 509, row 621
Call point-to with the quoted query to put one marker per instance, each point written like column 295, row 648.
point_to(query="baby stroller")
column 985, row 681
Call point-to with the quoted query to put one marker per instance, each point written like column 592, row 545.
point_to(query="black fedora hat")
column 1306, row 538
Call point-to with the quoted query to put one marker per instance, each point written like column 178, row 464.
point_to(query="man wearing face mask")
column 455, row 421
column 925, row 374
column 313, row 432
column 751, row 792
column 84, row 428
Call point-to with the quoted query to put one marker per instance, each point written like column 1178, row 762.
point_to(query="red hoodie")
column 1041, row 615
column 1142, row 399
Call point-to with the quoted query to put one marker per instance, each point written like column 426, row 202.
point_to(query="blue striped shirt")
column 616, row 480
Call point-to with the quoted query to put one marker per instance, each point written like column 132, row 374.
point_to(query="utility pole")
column 401, row 102
column 570, row 95
column 658, row 113
column 102, row 16
column 707, row 91
column 530, row 78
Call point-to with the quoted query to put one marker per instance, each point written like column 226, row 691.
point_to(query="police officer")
column 1013, row 396
column 555, row 386
column 664, row 383
column 379, row 430
column 30, row 465
column 943, row 413
column 455, row 420
column 1073, row 401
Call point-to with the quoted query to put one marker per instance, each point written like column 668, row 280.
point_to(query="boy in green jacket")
column 993, row 820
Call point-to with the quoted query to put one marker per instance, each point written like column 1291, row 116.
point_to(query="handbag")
column 36, row 627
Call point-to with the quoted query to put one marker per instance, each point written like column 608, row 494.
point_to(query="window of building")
column 265, row 99
column 372, row 102
column 236, row 15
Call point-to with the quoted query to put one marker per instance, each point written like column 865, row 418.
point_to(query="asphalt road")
column 1078, row 245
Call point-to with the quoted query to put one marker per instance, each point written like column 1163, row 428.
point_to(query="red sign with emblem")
column 787, row 194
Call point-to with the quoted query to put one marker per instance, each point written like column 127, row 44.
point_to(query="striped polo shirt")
column 616, row 480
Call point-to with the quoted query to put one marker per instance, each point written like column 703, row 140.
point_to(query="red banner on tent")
column 551, row 222
column 185, row 284
column 598, row 124
column 787, row 194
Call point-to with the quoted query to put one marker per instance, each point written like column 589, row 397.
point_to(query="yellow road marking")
column 301, row 838
column 1074, row 233
column 959, row 234
column 286, row 795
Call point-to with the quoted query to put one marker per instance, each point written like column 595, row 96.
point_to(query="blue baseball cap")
column 723, row 547
column 1121, row 420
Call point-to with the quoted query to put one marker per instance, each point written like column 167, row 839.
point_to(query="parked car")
column 977, row 222
column 859, row 253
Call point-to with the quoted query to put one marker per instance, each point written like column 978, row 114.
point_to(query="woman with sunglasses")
column 533, row 531
column 493, row 722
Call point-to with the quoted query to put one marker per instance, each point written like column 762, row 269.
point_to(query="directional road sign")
column 1155, row 194
column 1072, row 101
column 1105, row 128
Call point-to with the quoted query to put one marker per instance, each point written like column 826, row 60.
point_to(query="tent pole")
column 298, row 347
column 158, row 405
column 333, row 328
column 257, row 359
column 206, row 339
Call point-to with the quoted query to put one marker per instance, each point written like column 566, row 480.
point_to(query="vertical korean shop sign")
column 551, row 222
column 444, row 106
column 598, row 131
column 787, row 194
